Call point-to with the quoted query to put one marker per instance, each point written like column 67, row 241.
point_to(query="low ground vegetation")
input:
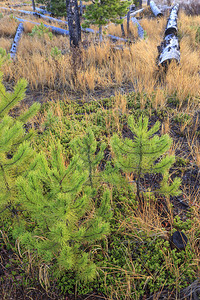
column 76, row 221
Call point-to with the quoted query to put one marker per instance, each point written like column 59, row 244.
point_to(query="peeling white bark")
column 17, row 38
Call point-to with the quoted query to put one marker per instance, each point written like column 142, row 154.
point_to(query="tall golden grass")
column 102, row 66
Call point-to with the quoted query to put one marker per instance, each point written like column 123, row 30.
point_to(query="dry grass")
column 8, row 26
column 5, row 43
column 103, row 67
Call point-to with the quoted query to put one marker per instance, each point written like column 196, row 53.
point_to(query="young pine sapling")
column 146, row 153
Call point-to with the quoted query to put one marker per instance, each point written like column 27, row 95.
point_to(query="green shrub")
column 40, row 31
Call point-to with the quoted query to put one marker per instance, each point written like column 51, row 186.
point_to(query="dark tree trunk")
column 100, row 34
column 148, row 2
column 33, row 3
column 128, row 22
column 81, row 8
column 140, row 3
column 122, row 28
column 73, row 22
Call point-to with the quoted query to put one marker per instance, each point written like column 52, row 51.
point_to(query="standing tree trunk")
column 33, row 4
column 148, row 2
column 122, row 28
column 140, row 3
column 128, row 21
column 100, row 34
column 73, row 22
column 81, row 8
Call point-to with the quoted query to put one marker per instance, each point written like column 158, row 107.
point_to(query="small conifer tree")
column 86, row 149
column 15, row 152
column 145, row 153
column 102, row 12
column 65, row 217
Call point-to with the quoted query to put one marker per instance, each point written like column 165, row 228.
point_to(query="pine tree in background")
column 57, row 7
column 146, row 153
column 104, row 11
column 65, row 217
column 15, row 152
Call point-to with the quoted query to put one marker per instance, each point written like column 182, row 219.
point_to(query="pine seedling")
column 63, row 213
column 86, row 149
column 145, row 153
column 15, row 152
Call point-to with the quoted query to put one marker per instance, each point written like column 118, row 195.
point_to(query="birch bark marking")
column 73, row 22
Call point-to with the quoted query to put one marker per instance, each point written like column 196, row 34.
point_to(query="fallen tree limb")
column 134, row 13
column 43, row 11
column 36, row 15
column 54, row 29
column 155, row 10
column 139, row 27
column 19, row 5
column 169, row 50
column 117, row 38
column 172, row 21
column 17, row 38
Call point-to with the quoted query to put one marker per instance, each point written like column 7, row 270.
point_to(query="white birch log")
column 172, row 21
column 139, row 27
column 155, row 10
column 169, row 50
column 17, row 38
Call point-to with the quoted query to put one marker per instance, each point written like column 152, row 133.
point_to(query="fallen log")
column 172, row 21
column 61, row 31
column 155, row 10
column 36, row 15
column 19, row 5
column 139, row 27
column 169, row 50
column 117, row 38
column 54, row 29
column 57, row 29
column 134, row 13
column 43, row 11
column 17, row 38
